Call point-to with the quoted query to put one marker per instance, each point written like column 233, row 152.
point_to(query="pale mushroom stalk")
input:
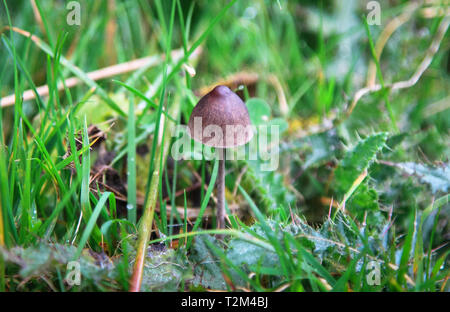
column 220, row 184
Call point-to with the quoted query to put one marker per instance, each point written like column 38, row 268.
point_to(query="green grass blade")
column 380, row 76
column 91, row 223
column 131, row 172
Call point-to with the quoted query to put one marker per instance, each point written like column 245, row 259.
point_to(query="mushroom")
column 220, row 112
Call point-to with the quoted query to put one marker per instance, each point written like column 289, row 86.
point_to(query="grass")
column 87, row 173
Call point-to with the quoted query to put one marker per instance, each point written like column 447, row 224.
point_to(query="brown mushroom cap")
column 223, row 108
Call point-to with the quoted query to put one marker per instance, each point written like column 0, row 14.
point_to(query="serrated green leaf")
column 357, row 160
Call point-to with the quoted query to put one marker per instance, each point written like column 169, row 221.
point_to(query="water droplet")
column 130, row 206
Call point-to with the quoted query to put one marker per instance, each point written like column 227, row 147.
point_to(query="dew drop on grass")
column 130, row 206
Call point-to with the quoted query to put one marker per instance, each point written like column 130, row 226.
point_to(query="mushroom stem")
column 221, row 190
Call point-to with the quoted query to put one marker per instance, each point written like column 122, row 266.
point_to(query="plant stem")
column 221, row 190
column 146, row 222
